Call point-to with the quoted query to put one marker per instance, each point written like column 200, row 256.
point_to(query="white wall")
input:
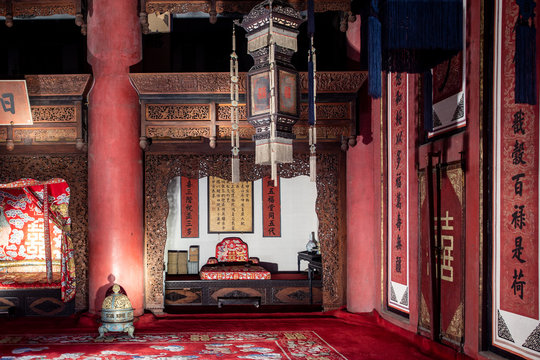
column 298, row 220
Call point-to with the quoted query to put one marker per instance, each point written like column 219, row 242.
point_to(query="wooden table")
column 309, row 257
column 314, row 265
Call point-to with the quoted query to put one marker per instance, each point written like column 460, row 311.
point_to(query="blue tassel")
column 428, row 101
column 525, row 55
column 311, row 17
column 374, row 54
column 419, row 34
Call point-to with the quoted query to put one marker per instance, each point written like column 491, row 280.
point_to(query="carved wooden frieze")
column 224, row 112
column 245, row 132
column 44, row 134
column 164, row 112
column 243, row 7
column 220, row 82
column 184, row 83
column 73, row 169
column 57, row 85
column 56, row 105
column 172, row 132
column 328, row 111
column 335, row 81
column 160, row 169
column 31, row 8
column 333, row 133
column 54, row 113
column 44, row 7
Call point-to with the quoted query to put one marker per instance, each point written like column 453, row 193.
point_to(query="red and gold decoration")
column 271, row 207
column 398, row 194
column 232, row 262
column 230, row 206
column 235, row 272
column 190, row 207
column 450, row 262
column 34, row 231
column 516, row 307
column 273, row 89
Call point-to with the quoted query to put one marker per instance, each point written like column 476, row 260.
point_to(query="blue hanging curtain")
column 419, row 34
column 374, row 51
column 525, row 55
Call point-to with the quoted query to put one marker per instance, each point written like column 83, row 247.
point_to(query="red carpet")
column 311, row 336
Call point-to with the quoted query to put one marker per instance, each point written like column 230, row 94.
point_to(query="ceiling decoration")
column 13, row 9
column 215, row 7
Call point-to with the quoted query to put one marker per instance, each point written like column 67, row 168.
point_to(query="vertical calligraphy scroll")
column 190, row 207
column 515, row 204
column 398, row 194
column 230, row 206
column 271, row 208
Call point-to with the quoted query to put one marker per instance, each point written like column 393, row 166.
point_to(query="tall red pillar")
column 363, row 197
column 115, row 173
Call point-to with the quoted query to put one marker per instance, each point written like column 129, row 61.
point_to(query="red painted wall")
column 363, row 220
column 365, row 248
column 115, row 211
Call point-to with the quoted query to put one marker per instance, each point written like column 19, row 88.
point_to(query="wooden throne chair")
column 232, row 262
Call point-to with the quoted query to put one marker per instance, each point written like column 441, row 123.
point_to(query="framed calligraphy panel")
column 190, row 207
column 230, row 206
column 14, row 103
column 271, row 208
column 515, row 268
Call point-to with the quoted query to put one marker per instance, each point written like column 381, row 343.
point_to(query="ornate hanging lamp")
column 273, row 89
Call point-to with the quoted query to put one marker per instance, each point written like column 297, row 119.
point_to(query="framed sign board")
column 230, row 206
column 14, row 103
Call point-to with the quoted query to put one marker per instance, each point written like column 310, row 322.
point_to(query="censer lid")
column 116, row 301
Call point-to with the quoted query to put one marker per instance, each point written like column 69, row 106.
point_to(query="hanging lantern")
column 273, row 89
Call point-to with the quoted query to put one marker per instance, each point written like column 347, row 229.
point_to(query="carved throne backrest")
column 232, row 249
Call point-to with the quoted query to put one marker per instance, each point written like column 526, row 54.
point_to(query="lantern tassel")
column 312, row 94
column 313, row 167
column 235, row 137
column 235, row 169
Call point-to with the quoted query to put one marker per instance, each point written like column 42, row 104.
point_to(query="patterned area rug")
column 301, row 345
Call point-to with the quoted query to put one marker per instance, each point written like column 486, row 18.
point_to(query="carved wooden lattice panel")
column 160, row 169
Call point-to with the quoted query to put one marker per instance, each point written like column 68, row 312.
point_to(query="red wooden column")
column 115, row 173
column 363, row 198
column 363, row 220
